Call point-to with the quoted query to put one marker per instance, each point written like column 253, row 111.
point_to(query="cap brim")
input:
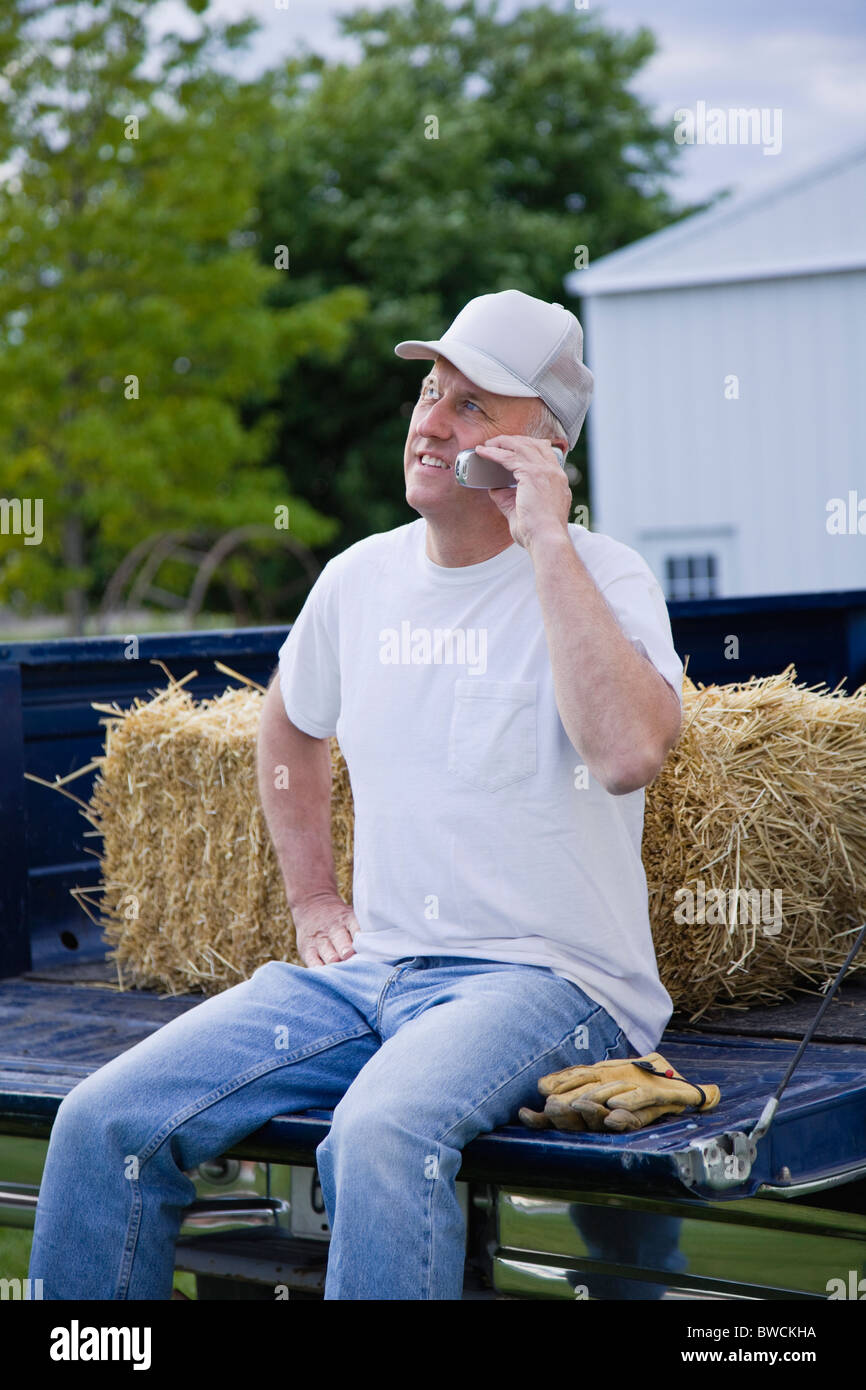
column 477, row 366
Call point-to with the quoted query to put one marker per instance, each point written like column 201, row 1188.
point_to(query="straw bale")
column 192, row 897
column 765, row 790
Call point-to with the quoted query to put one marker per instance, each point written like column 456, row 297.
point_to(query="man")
column 503, row 684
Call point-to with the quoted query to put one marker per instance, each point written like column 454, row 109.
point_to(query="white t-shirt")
column 476, row 832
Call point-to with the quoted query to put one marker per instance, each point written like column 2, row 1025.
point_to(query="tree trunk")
column 73, row 558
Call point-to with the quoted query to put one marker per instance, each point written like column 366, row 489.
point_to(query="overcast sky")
column 803, row 58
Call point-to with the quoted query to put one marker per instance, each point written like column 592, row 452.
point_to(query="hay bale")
column 192, row 896
column 765, row 790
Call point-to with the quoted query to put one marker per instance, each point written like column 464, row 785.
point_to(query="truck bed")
column 60, row 1022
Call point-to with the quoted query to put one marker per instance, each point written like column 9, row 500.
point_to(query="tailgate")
column 818, row 1135
column 52, row 1035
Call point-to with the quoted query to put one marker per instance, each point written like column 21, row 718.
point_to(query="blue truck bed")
column 53, row 1034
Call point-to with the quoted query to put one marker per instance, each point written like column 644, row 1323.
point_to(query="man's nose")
column 434, row 418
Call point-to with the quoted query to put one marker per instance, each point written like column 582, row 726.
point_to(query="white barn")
column 727, row 431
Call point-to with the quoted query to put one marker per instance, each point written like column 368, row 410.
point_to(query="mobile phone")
column 474, row 470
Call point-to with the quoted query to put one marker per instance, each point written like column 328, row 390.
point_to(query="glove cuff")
column 646, row 1064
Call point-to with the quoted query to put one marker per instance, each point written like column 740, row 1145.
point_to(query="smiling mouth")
column 431, row 461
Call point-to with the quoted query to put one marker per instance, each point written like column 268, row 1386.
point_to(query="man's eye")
column 431, row 387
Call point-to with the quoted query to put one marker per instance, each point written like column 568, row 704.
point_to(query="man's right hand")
column 324, row 929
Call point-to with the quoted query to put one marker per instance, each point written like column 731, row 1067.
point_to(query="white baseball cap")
column 514, row 345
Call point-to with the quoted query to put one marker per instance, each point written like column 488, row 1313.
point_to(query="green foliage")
column 135, row 333
column 160, row 370
column 541, row 147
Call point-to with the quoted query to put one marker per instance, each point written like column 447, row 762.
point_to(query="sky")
column 801, row 59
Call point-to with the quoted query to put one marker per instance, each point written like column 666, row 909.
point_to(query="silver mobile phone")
column 473, row 470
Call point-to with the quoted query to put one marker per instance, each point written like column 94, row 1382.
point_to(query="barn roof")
column 812, row 223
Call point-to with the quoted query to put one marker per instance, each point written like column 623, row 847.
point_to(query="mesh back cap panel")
column 565, row 383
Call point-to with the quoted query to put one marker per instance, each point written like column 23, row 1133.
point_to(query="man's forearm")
column 298, row 815
column 615, row 707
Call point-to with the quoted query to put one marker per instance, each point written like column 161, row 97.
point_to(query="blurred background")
column 216, row 220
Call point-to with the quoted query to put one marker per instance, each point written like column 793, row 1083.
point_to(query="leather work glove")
column 619, row 1094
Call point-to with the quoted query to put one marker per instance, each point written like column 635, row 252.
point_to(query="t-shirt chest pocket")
column 492, row 737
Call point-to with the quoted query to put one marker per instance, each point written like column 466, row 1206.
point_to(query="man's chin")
column 423, row 506
column 423, row 500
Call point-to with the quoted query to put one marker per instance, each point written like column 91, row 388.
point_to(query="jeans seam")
column 442, row 1139
column 133, row 1226
column 243, row 1079
column 429, row 1253
column 380, row 1003
column 533, row 1061
column 617, row 1042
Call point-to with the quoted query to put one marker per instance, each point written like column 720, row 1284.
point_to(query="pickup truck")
column 690, row 1208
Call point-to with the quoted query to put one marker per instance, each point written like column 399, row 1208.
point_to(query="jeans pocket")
column 492, row 738
column 621, row 1048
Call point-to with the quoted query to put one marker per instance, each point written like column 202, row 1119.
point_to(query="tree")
column 462, row 154
column 138, row 354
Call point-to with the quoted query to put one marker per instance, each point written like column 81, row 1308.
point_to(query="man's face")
column 452, row 414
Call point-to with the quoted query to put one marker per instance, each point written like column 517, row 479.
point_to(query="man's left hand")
column 541, row 502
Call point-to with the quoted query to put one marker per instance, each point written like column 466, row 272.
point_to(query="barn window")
column 691, row 576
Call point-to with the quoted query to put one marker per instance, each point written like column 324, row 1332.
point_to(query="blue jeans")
column 416, row 1057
